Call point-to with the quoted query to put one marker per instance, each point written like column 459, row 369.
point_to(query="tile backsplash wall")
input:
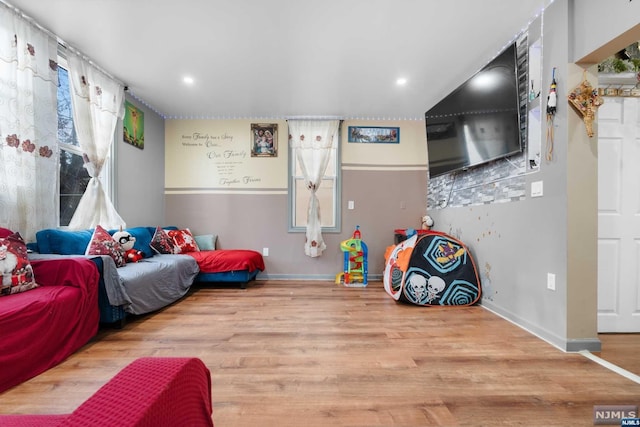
column 500, row 181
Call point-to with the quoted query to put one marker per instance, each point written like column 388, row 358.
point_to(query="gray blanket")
column 147, row 285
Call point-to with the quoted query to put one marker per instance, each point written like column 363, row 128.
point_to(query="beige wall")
column 582, row 220
column 412, row 150
column 216, row 155
column 387, row 183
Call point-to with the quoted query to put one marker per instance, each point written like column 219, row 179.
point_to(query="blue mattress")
column 237, row 276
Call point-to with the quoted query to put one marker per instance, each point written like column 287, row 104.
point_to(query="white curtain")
column 28, row 126
column 97, row 102
column 311, row 142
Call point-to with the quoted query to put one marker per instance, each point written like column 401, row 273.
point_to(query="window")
column 328, row 194
column 73, row 176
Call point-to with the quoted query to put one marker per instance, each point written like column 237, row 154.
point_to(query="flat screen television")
column 479, row 121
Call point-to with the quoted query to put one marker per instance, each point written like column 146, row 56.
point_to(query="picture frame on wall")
column 374, row 134
column 133, row 125
column 264, row 140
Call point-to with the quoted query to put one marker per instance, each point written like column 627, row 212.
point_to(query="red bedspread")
column 42, row 326
column 223, row 260
column 151, row 391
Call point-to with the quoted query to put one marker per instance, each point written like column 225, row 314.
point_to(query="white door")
column 619, row 215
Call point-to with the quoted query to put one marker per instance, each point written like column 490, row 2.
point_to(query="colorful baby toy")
column 355, row 261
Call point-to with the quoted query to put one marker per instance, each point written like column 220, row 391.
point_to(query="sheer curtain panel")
column 311, row 142
column 28, row 126
column 98, row 103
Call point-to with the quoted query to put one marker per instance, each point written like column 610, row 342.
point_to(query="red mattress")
column 43, row 326
column 223, row 260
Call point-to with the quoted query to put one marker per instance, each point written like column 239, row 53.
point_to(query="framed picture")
column 374, row 134
column 264, row 140
column 133, row 125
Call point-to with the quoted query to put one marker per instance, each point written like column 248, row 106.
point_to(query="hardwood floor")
column 622, row 350
column 319, row 354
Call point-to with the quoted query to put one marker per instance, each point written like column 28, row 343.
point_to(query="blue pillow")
column 63, row 242
column 206, row 242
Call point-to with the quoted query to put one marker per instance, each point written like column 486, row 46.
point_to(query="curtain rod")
column 314, row 118
column 61, row 42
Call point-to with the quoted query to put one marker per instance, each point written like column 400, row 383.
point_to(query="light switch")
column 351, row 205
column 551, row 281
column 536, row 189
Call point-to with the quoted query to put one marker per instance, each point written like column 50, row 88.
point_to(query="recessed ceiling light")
column 188, row 80
column 401, row 81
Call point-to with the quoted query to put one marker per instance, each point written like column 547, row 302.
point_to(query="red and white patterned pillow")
column 161, row 242
column 16, row 273
column 103, row 244
column 183, row 241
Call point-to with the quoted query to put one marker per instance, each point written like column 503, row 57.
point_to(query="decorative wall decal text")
column 229, row 160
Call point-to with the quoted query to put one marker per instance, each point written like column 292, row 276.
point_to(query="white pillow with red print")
column 183, row 241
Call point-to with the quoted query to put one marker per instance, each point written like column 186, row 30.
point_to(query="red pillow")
column 5, row 232
column 103, row 244
column 16, row 273
column 183, row 241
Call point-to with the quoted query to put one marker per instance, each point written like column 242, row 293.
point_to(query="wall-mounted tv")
column 479, row 121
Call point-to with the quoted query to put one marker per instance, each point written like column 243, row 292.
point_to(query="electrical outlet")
column 265, row 251
column 551, row 281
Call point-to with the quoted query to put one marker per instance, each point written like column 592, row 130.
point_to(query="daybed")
column 158, row 279
column 148, row 392
column 133, row 288
column 222, row 266
column 43, row 326
column 228, row 265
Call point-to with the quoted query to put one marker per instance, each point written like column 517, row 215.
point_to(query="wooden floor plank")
column 622, row 350
column 317, row 354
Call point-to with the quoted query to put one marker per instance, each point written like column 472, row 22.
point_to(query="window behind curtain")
column 328, row 194
column 73, row 176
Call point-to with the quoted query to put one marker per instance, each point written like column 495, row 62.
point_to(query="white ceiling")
column 284, row 58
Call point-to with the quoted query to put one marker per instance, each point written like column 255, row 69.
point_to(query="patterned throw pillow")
column 16, row 273
column 161, row 242
column 103, row 244
column 183, row 241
